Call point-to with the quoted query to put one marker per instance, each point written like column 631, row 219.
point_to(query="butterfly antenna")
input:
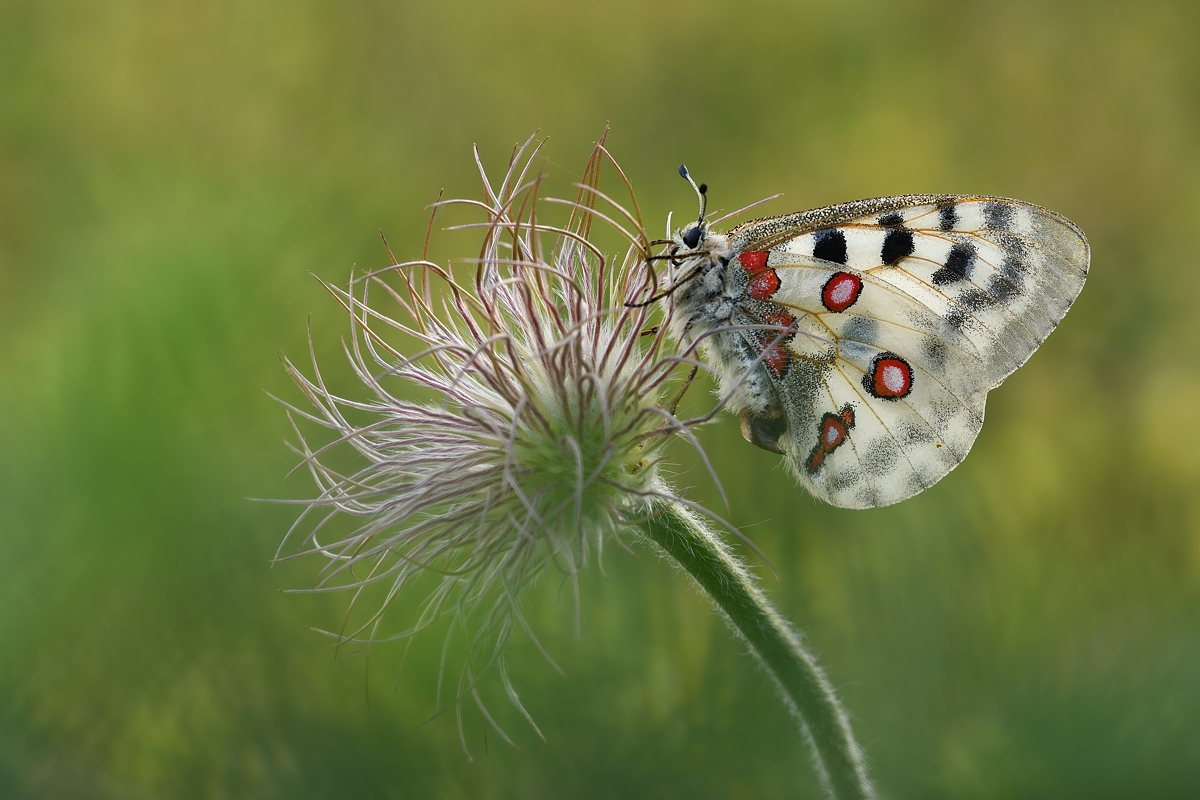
column 701, row 192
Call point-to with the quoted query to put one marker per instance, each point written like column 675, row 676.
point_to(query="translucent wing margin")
column 901, row 313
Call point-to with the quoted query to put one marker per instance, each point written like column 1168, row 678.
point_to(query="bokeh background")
column 171, row 172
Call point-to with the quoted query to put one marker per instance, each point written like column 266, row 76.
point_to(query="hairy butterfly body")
column 860, row 340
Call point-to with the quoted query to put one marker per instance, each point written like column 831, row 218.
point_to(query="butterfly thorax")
column 712, row 287
column 703, row 300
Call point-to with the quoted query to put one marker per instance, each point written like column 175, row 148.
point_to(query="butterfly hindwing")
column 898, row 440
column 897, row 315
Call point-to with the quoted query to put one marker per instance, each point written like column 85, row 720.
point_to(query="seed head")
column 552, row 402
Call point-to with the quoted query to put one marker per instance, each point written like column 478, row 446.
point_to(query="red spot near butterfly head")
column 764, row 284
column 841, row 291
column 763, row 280
column 754, row 261
column 891, row 377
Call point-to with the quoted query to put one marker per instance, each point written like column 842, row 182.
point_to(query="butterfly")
column 860, row 340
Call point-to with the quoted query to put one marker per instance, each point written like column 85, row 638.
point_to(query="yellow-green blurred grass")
column 169, row 175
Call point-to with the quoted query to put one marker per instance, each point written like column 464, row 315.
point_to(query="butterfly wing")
column 900, row 314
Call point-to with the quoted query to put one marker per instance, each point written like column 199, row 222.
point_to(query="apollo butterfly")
column 860, row 340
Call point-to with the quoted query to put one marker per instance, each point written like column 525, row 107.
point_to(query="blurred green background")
column 171, row 172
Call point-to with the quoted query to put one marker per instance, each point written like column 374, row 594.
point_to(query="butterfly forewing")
column 901, row 312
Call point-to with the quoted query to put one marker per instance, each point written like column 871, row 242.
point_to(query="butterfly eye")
column 692, row 237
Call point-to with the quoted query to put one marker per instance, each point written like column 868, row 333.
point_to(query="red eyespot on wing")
column 833, row 431
column 775, row 353
column 781, row 318
column 841, row 291
column 831, row 434
column 764, row 284
column 763, row 280
column 776, row 357
column 754, row 261
column 889, row 378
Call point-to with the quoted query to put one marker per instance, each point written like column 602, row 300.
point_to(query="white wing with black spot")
column 900, row 314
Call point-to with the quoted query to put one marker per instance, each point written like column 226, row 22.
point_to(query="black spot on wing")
column 897, row 245
column 947, row 216
column 1014, row 270
column 998, row 215
column 1009, row 241
column 910, row 433
column 830, row 245
column 845, row 478
column 892, row 220
column 861, row 329
column 1002, row 288
column 1013, row 244
column 975, row 299
column 957, row 319
column 879, row 456
column 934, row 352
column 958, row 267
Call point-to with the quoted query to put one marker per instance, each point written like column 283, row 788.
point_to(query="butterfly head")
column 692, row 253
column 691, row 236
column 695, row 238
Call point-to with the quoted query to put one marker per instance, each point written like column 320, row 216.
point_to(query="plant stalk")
column 689, row 542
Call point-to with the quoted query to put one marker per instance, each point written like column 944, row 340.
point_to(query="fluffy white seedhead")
column 551, row 408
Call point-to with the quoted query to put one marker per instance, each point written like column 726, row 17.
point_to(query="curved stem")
column 687, row 541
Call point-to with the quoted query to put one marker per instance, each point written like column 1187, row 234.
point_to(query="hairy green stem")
column 687, row 541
